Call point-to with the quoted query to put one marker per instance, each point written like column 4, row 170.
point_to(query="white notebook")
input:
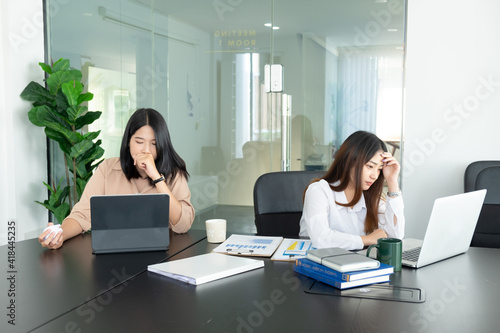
column 205, row 268
column 342, row 260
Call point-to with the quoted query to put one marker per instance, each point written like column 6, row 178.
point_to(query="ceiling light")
column 392, row 30
column 271, row 25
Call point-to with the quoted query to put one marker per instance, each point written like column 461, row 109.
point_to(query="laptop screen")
column 129, row 223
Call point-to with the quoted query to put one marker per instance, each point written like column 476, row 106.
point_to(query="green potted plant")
column 59, row 108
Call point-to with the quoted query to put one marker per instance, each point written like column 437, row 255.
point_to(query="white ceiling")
column 344, row 21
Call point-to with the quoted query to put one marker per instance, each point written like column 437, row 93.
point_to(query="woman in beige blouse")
column 148, row 163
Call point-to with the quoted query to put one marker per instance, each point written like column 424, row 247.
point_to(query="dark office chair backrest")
column 277, row 198
column 486, row 175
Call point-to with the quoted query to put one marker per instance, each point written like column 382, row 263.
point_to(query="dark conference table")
column 46, row 284
column 70, row 290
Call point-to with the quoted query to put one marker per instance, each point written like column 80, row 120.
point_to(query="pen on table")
column 238, row 251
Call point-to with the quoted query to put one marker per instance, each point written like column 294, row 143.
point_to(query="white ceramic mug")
column 216, row 230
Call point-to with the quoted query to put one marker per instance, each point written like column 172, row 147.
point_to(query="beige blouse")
column 109, row 179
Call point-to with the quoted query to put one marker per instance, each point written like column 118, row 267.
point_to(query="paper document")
column 292, row 249
column 261, row 246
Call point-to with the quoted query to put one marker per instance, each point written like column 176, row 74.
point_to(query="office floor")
column 240, row 219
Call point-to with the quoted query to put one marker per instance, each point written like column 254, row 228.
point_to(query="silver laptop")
column 129, row 223
column 449, row 232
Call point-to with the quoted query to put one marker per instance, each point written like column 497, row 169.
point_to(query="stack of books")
column 342, row 269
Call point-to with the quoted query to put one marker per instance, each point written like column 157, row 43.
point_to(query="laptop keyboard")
column 412, row 255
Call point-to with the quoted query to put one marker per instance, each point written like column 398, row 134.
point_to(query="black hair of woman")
column 353, row 154
column 168, row 162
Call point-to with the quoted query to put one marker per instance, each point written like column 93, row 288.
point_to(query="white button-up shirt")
column 328, row 224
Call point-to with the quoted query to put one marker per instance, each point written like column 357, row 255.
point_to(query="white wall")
column 23, row 164
column 452, row 99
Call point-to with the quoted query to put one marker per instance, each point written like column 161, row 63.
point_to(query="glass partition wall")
column 246, row 87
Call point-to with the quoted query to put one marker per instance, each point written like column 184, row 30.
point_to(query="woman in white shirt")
column 345, row 208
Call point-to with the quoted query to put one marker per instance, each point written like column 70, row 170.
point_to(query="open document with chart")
column 260, row 246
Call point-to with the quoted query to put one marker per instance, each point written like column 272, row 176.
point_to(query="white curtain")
column 369, row 92
column 357, row 95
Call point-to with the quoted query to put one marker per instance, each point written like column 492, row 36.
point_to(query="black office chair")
column 277, row 198
column 486, row 175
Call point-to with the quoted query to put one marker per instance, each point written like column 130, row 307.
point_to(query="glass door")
column 248, row 123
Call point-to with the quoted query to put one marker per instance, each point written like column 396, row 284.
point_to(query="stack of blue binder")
column 342, row 269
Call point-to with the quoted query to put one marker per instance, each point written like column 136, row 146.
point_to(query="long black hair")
column 168, row 162
column 353, row 154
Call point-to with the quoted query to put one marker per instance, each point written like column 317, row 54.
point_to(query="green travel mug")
column 389, row 251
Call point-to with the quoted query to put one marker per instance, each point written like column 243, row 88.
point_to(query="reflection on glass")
column 114, row 93
column 201, row 64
